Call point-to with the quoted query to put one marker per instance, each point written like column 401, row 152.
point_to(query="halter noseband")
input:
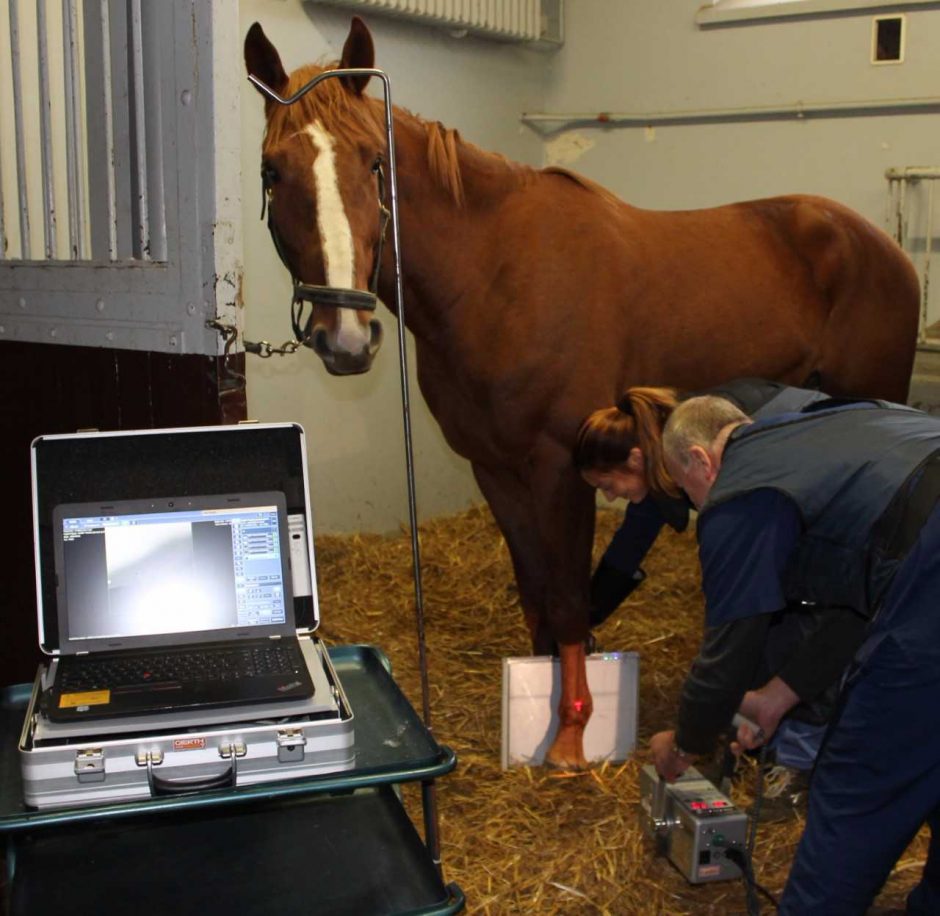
column 332, row 296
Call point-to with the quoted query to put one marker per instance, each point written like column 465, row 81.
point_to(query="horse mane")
column 583, row 182
column 442, row 158
column 361, row 120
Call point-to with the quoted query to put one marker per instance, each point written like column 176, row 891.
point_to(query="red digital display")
column 698, row 805
column 720, row 804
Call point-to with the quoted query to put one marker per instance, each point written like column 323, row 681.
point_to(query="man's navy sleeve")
column 744, row 546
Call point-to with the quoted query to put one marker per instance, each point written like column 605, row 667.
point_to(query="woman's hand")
column 670, row 762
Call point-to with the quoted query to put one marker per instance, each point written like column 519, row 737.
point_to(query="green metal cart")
column 335, row 844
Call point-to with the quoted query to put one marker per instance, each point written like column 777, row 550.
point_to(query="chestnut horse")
column 536, row 296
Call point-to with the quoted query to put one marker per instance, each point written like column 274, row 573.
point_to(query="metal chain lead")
column 262, row 348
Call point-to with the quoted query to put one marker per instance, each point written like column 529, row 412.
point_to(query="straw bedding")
column 533, row 840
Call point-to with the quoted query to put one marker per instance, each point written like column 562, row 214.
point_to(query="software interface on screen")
column 172, row 571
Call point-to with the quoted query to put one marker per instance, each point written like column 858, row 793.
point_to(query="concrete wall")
column 354, row 425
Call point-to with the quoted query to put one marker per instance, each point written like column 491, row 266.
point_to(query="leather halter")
column 332, row 296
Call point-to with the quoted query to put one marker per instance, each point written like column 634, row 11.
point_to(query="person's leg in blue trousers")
column 877, row 778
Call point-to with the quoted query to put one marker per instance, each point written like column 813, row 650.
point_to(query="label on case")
column 85, row 698
column 189, row 744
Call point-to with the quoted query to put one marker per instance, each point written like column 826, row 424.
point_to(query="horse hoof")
column 567, row 765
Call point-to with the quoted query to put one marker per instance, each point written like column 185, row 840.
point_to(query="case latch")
column 149, row 758
column 290, row 745
column 235, row 748
column 89, row 764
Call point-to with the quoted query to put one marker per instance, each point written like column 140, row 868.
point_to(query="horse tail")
column 869, row 335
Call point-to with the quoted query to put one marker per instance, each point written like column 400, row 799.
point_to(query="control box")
column 693, row 824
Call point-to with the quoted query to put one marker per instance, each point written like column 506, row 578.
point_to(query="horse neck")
column 436, row 227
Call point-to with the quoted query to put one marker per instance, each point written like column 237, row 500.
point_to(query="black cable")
column 754, row 817
column 740, row 858
column 744, row 857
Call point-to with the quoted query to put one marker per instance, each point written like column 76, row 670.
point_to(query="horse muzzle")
column 344, row 350
column 341, row 360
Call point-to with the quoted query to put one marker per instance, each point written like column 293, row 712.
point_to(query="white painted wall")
column 354, row 425
column 636, row 56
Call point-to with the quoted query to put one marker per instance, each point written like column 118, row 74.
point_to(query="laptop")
column 173, row 604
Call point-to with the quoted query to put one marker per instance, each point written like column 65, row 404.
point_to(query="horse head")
column 321, row 161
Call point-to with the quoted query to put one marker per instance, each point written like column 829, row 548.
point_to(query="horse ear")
column 263, row 61
column 358, row 53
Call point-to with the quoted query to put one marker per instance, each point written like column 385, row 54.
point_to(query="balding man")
column 833, row 507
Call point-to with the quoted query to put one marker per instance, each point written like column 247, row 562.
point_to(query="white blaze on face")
column 336, row 239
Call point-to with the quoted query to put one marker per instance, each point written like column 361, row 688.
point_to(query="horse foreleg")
column 564, row 509
column 575, row 708
column 547, row 518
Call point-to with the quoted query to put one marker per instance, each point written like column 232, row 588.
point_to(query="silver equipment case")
column 693, row 824
column 107, row 764
column 133, row 757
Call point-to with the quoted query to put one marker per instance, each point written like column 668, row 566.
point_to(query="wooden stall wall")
column 50, row 389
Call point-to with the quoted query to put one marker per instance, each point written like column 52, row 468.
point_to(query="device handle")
column 660, row 824
column 740, row 720
column 161, row 787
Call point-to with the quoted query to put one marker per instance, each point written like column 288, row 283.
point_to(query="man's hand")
column 670, row 762
column 766, row 707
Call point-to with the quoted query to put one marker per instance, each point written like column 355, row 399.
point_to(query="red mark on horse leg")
column 578, row 705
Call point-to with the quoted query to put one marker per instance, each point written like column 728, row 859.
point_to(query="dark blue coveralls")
column 863, row 481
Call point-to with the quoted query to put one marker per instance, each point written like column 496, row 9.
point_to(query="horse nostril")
column 319, row 342
column 375, row 336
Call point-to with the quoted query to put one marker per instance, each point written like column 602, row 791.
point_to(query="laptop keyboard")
column 198, row 665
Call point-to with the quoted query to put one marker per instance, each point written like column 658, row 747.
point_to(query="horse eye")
column 269, row 174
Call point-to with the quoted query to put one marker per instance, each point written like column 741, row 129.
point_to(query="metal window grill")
column 506, row 20
column 119, row 185
column 82, row 73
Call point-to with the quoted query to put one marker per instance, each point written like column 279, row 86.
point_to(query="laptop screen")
column 138, row 573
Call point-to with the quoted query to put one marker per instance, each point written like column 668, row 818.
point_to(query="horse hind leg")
column 872, row 292
column 508, row 501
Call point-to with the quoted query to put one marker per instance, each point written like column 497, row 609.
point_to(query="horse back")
column 568, row 296
column 785, row 287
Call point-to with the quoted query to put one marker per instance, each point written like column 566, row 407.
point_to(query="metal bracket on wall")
column 903, row 209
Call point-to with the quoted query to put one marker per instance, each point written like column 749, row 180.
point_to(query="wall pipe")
column 913, row 172
column 545, row 124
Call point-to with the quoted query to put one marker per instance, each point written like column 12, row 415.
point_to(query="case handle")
column 160, row 787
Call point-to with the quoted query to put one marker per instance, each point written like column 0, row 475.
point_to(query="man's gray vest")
column 759, row 398
column 751, row 397
column 841, row 466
